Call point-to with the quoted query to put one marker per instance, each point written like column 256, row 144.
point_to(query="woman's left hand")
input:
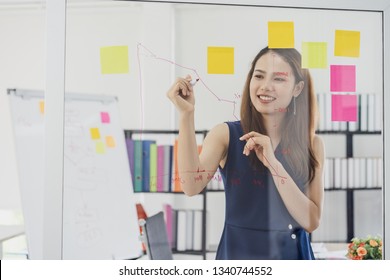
column 261, row 145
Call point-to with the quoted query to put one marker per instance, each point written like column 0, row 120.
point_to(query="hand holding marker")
column 181, row 94
column 194, row 81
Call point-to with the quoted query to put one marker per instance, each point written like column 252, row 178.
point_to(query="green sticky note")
column 220, row 60
column 280, row 34
column 100, row 149
column 314, row 55
column 114, row 60
column 347, row 43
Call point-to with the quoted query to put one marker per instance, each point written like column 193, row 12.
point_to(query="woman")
column 271, row 161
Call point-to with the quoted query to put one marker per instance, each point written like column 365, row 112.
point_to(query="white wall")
column 22, row 57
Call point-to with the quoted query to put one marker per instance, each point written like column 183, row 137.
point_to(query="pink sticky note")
column 105, row 117
column 342, row 78
column 344, row 107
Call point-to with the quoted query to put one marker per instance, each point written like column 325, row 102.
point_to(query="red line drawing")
column 154, row 56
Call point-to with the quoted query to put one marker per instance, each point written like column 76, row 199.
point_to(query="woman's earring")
column 295, row 109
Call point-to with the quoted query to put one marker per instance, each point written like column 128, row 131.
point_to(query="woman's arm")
column 195, row 170
column 306, row 209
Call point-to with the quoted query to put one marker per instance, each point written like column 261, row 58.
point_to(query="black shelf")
column 130, row 132
column 189, row 252
column 343, row 132
column 353, row 189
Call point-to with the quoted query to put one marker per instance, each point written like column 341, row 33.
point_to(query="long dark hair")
column 297, row 131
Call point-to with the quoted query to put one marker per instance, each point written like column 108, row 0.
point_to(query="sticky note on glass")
column 42, row 107
column 342, row 78
column 114, row 60
column 347, row 43
column 280, row 34
column 344, row 107
column 95, row 134
column 220, row 60
column 110, row 142
column 100, row 149
column 105, row 117
column 314, row 55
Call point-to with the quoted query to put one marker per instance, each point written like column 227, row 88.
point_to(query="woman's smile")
column 266, row 99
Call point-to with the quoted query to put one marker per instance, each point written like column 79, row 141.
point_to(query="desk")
column 330, row 251
column 8, row 232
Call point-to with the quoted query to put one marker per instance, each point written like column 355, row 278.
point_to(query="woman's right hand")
column 182, row 95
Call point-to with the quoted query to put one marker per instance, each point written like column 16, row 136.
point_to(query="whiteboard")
column 99, row 213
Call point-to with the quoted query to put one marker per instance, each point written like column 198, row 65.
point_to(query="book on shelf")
column 356, row 170
column 353, row 173
column 168, row 216
column 160, row 168
column 363, row 112
column 337, row 173
column 154, row 167
column 370, row 171
column 151, row 165
column 369, row 115
column 378, row 113
column 189, row 229
column 197, row 230
column 181, row 228
column 380, row 172
column 362, row 173
column 137, row 165
column 344, row 173
column 184, row 228
column 146, row 164
column 168, row 160
column 130, row 156
column 327, row 174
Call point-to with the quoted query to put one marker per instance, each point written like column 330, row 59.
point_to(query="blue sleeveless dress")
column 257, row 223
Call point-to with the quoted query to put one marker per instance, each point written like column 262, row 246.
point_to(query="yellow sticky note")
column 220, row 60
column 95, row 134
column 280, row 34
column 347, row 43
column 110, row 142
column 100, row 149
column 114, row 60
column 42, row 107
column 314, row 55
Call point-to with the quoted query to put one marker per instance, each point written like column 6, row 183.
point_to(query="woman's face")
column 273, row 85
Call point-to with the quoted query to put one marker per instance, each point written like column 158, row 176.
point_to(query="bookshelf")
column 368, row 123
column 349, row 135
column 350, row 189
column 129, row 134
